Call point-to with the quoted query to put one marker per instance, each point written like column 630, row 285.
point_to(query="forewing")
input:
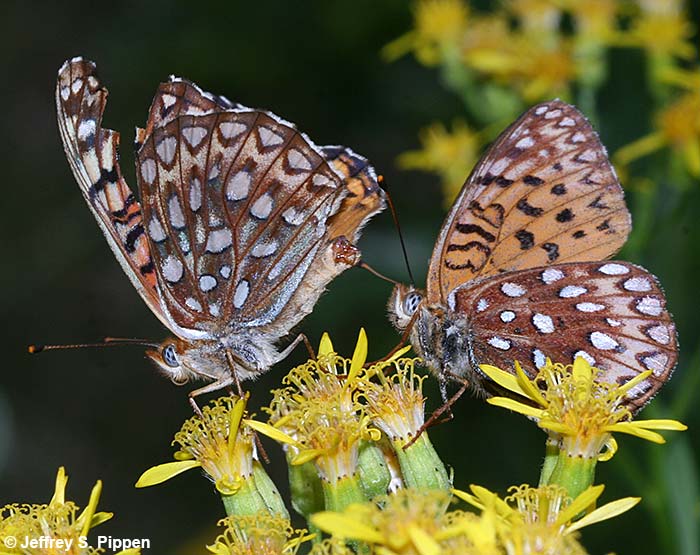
column 544, row 193
column 611, row 313
column 93, row 156
column 237, row 210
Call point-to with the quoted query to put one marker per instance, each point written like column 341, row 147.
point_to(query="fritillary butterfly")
column 516, row 273
column 242, row 221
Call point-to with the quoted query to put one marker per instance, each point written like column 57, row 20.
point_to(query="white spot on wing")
column 659, row 334
column 269, row 137
column 148, row 170
column 166, row 149
column 86, row 128
column 195, row 194
column 75, row 87
column 613, row 323
column 656, row 362
column 584, row 355
column 543, row 323
column 499, row 343
column 207, row 282
column 172, row 269
column 603, row 341
column 262, row 250
column 230, row 129
column 525, row 142
column 590, row 307
column 194, row 135
column 541, row 110
column 571, row 291
column 553, row 114
column 177, row 218
column 512, row 289
column 193, row 303
column 238, row 186
column 241, row 293
column 262, row 207
column 482, row 305
column 538, row 358
column 567, row 122
column 649, row 305
column 638, row 284
column 219, row 240
column 550, row 275
column 297, row 160
column 225, row 271
column 320, row 180
column 507, row 316
column 613, row 269
column 292, row 216
column 156, row 231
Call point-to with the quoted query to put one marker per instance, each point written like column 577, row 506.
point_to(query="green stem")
column 551, row 455
column 421, row 466
column 575, row 474
column 344, row 492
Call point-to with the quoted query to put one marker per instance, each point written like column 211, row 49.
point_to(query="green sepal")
column 373, row 470
column 420, row 464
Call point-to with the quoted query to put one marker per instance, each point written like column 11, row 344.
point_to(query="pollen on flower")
column 320, row 410
column 217, row 440
column 395, row 402
column 577, row 410
column 258, row 534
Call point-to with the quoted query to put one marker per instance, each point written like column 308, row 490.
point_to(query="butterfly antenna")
column 392, row 209
column 371, row 270
column 108, row 342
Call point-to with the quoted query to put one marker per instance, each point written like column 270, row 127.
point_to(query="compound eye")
column 412, row 301
column 170, row 356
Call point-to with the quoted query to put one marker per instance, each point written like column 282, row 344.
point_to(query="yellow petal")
column 515, row 406
column 343, row 527
column 89, row 511
column 424, row 544
column 306, row 455
column 605, row 512
column 502, row 378
column 528, row 387
column 325, row 347
column 162, row 472
column 99, row 518
column 235, row 417
column 661, row 424
column 634, row 381
column 270, row 431
column 359, row 356
column 580, row 504
column 556, row 427
column 610, row 450
column 59, row 495
column 632, row 429
column 398, row 354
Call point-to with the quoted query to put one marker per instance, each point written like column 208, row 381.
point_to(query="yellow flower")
column 543, row 520
column 578, row 412
column 54, row 528
column 677, row 126
column 319, row 412
column 449, row 154
column 222, row 443
column 663, row 28
column 439, row 25
column 258, row 534
column 405, row 522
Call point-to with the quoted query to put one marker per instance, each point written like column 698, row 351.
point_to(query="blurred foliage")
column 105, row 413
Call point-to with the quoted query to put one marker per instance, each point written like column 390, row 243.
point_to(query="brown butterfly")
column 241, row 224
column 516, row 273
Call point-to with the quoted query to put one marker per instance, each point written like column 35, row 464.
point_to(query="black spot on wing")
column 526, row 238
column 552, row 250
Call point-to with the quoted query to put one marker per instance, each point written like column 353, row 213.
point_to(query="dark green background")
column 106, row 413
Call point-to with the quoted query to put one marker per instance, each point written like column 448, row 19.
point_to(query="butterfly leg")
column 289, row 348
column 446, row 407
column 209, row 388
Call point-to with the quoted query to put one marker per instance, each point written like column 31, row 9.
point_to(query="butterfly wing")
column 544, row 193
column 93, row 156
column 238, row 205
column 611, row 313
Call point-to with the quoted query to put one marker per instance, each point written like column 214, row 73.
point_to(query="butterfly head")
column 172, row 358
column 403, row 304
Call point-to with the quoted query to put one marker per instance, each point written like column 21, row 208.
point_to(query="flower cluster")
column 525, row 51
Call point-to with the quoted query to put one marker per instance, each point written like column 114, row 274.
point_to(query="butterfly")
column 519, row 270
column 241, row 224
